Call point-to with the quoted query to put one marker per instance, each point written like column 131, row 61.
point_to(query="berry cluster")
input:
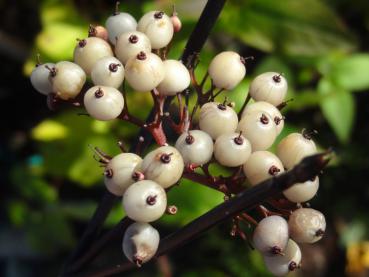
column 135, row 52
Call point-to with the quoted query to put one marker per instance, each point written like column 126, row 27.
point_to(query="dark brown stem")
column 247, row 100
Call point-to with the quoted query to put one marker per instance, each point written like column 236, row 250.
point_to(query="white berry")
column 108, row 71
column 144, row 71
column 302, row 192
column 163, row 165
column 89, row 50
column 227, row 69
column 259, row 128
column 306, row 225
column 67, row 79
column 270, row 87
column 281, row 265
column 293, row 148
column 196, row 147
column 40, row 78
column 176, row 79
column 268, row 108
column 217, row 119
column 140, row 242
column 262, row 165
column 144, row 201
column 118, row 24
column 120, row 172
column 103, row 103
column 129, row 44
column 158, row 27
column 232, row 149
column 271, row 235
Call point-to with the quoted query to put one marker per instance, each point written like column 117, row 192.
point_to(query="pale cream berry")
column 144, row 201
column 227, row 69
column 108, row 71
column 140, row 242
column 306, row 225
column 119, row 23
column 40, row 78
column 270, row 87
column 121, row 172
column 268, row 108
column 217, row 119
column 302, row 192
column 103, row 103
column 163, row 165
column 196, row 147
column 232, row 149
column 158, row 27
column 293, row 148
column 177, row 78
column 67, row 79
column 271, row 235
column 281, row 265
column 262, row 165
column 98, row 31
column 144, row 72
column 259, row 128
column 89, row 50
column 130, row 44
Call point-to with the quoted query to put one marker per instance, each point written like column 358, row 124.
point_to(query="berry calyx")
column 133, row 39
column 113, row 67
column 99, row 93
column 189, row 139
column 151, row 200
column 273, row 170
column 158, row 15
column 165, row 158
column 264, row 119
column 239, row 140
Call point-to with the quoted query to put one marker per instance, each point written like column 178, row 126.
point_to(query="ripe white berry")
column 144, row 201
column 196, row 147
column 67, row 79
column 306, row 225
column 262, row 165
column 89, row 50
column 130, row 44
column 103, row 103
column 293, row 148
column 108, row 71
column 232, row 149
column 120, row 23
column 144, row 71
column 259, row 128
column 120, row 172
column 217, row 119
column 271, row 235
column 140, row 242
column 164, row 165
column 270, row 87
column 227, row 69
column 177, row 78
column 158, row 27
column 302, row 192
column 268, row 108
column 40, row 78
column 281, row 265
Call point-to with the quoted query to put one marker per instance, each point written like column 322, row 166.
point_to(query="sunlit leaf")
column 49, row 130
column 338, row 107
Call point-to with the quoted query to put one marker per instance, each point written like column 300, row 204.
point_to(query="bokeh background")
column 50, row 184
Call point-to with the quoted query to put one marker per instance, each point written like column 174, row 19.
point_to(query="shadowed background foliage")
column 50, row 184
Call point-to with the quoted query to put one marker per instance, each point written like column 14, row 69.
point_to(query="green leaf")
column 351, row 72
column 338, row 107
column 297, row 28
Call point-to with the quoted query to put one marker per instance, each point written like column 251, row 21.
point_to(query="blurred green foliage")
column 306, row 40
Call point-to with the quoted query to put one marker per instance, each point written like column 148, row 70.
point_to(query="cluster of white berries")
column 125, row 50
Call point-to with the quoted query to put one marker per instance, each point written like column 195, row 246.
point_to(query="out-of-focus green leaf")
column 351, row 72
column 49, row 130
column 338, row 107
column 298, row 28
column 56, row 40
